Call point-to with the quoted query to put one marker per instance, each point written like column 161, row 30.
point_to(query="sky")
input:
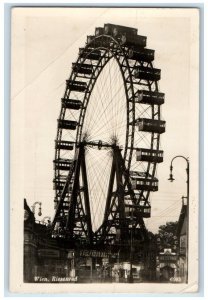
column 44, row 44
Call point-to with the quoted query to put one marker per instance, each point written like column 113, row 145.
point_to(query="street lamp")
column 187, row 182
column 39, row 210
column 171, row 179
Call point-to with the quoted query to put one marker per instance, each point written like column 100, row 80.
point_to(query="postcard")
column 104, row 150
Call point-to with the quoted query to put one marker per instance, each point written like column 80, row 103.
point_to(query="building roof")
column 28, row 210
column 182, row 218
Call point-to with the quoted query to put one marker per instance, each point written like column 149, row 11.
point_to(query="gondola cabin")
column 67, row 124
column 99, row 31
column 141, row 54
column 116, row 30
column 150, row 125
column 71, row 103
column 146, row 73
column 133, row 41
column 63, row 164
column 90, row 53
column 82, row 68
column 145, row 184
column 135, row 211
column 149, row 155
column 149, row 97
column 64, row 145
column 78, row 86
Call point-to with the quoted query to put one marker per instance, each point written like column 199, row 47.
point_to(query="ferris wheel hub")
column 100, row 145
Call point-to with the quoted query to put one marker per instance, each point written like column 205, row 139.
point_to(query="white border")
column 121, row 2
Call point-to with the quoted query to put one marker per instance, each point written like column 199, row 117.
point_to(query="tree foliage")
column 167, row 237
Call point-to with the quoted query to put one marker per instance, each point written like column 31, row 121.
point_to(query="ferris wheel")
column 108, row 139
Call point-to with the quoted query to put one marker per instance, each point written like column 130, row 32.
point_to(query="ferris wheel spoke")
column 96, row 113
column 105, row 133
column 98, row 176
column 107, row 102
column 107, row 119
column 117, row 116
column 101, row 106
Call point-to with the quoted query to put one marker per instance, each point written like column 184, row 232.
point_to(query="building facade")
column 182, row 233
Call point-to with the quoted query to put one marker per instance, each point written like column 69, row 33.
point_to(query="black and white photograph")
column 104, row 138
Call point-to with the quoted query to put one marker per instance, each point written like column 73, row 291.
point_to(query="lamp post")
column 187, row 182
column 131, row 279
column 39, row 210
column 130, row 272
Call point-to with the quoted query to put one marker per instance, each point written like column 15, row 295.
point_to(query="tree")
column 166, row 237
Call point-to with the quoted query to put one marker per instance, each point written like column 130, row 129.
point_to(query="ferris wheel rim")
column 73, row 76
